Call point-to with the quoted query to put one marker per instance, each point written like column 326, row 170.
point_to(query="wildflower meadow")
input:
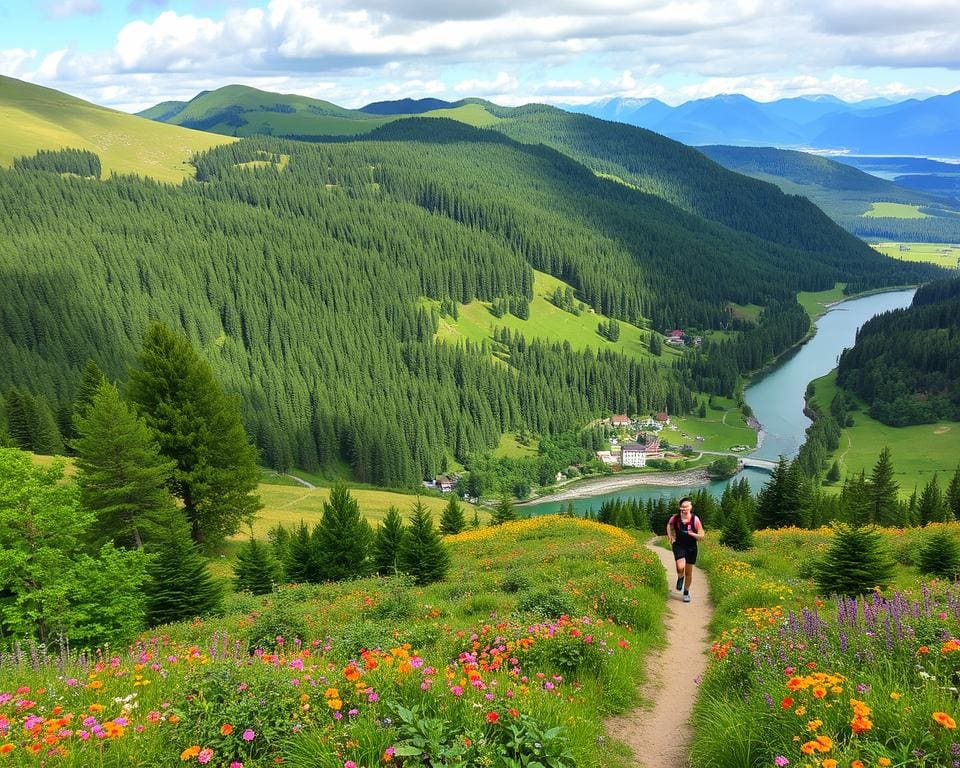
column 538, row 633
column 807, row 680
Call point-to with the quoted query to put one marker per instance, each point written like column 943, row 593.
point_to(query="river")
column 776, row 397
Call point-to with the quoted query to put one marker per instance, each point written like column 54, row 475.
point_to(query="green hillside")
column 239, row 110
column 861, row 203
column 34, row 118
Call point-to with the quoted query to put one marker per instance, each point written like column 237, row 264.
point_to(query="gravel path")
column 660, row 735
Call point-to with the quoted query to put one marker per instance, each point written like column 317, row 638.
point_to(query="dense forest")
column 299, row 270
column 906, row 363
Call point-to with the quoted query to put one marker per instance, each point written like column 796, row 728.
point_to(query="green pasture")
column 471, row 114
column 817, row 302
column 510, row 448
column 946, row 255
column 746, row 311
column 720, row 430
column 895, row 211
column 918, row 451
column 34, row 118
column 549, row 322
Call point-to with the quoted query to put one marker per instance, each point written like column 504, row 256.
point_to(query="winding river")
column 776, row 397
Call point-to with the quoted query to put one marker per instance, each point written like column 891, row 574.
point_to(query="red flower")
column 786, row 703
column 493, row 717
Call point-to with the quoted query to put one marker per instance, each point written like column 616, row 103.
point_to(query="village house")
column 663, row 418
column 675, row 337
column 445, row 483
column 620, row 420
column 608, row 457
column 633, row 455
column 651, row 444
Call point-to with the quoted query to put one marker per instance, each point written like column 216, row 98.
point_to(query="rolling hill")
column 34, row 118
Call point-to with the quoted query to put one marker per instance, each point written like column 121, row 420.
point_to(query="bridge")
column 747, row 461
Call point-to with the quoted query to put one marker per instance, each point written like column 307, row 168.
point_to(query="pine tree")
column 386, row 543
column 120, row 471
column 180, row 587
column 475, row 522
column 854, row 563
column 952, row 498
column 422, row 553
column 90, row 380
column 343, row 538
column 301, row 562
column 656, row 344
column 503, row 512
column 199, row 428
column 833, row 474
column 883, row 491
column 856, row 505
column 940, row 555
column 930, row 507
column 452, row 521
column 256, row 569
column 736, row 533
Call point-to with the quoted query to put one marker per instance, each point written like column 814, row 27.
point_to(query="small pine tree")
column 475, row 522
column 342, row 539
column 833, row 475
column 452, row 521
column 656, row 345
column 855, row 562
column 422, row 553
column 503, row 512
column 256, row 570
column 736, row 534
column 940, row 555
column 180, row 587
column 386, row 543
column 952, row 497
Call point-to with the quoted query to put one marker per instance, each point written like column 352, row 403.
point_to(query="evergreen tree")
column 702, row 410
column 199, row 428
column 930, row 507
column 781, row 502
column 883, row 491
column 736, row 533
column 90, row 380
column 343, row 538
column 833, row 474
column 856, row 505
column 180, row 587
column 452, row 521
column 301, row 564
column 422, row 553
column 854, row 563
column 475, row 522
column 256, row 569
column 120, row 471
column 386, row 543
column 940, row 555
column 952, row 498
column 656, row 344
column 503, row 512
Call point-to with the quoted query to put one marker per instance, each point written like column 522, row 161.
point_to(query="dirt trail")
column 660, row 735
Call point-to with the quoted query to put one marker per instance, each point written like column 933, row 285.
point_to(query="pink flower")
column 780, row 761
column 205, row 756
column 236, row 764
column 349, row 764
column 249, row 734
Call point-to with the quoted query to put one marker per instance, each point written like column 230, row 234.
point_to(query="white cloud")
column 502, row 84
column 13, row 61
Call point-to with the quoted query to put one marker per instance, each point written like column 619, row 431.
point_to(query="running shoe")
column 686, row 597
column 679, row 583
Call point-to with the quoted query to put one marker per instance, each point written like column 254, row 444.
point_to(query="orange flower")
column 173, row 719
column 786, row 703
column 883, row 762
column 819, row 691
column 8, row 747
column 945, row 720
column 829, row 763
column 923, row 649
column 825, row 742
column 492, row 717
column 226, row 729
column 809, row 747
column 856, row 764
column 190, row 752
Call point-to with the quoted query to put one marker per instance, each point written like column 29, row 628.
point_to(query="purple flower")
column 780, row 761
column 249, row 734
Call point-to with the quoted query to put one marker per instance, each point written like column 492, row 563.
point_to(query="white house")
column 608, row 457
column 633, row 455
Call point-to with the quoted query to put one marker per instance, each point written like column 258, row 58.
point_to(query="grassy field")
column 945, row 255
column 817, row 302
column 895, row 211
column 510, row 448
column 548, row 321
column 34, row 118
column 746, row 311
column 471, row 114
column 720, row 430
column 918, row 451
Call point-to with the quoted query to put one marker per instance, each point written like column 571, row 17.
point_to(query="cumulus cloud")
column 13, row 61
column 640, row 48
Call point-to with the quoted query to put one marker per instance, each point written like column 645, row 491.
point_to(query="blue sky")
column 130, row 54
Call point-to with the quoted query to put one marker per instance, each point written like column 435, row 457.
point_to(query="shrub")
column 282, row 619
column 855, row 562
column 549, row 603
column 396, row 601
column 514, row 582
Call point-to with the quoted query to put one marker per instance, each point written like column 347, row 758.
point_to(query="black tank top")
column 683, row 530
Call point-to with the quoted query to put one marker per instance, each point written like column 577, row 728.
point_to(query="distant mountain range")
column 930, row 127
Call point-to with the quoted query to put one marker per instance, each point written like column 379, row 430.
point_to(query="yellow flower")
column 829, row 763
column 190, row 752
column 895, row 696
column 883, row 762
column 945, row 720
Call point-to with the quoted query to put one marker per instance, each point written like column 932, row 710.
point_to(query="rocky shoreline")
column 609, row 484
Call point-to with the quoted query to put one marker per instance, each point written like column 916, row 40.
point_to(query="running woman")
column 684, row 531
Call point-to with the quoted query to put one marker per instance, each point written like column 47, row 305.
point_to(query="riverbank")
column 610, row 484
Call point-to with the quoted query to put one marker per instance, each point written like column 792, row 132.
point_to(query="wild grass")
column 895, row 211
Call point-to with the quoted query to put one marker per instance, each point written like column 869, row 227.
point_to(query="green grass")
column 817, row 302
column 549, row 322
column 34, row 118
column 746, row 311
column 471, row 114
column 510, row 448
column 895, row 211
column 918, row 451
column 720, row 429
column 946, row 255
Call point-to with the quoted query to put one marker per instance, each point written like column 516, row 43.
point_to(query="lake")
column 776, row 397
